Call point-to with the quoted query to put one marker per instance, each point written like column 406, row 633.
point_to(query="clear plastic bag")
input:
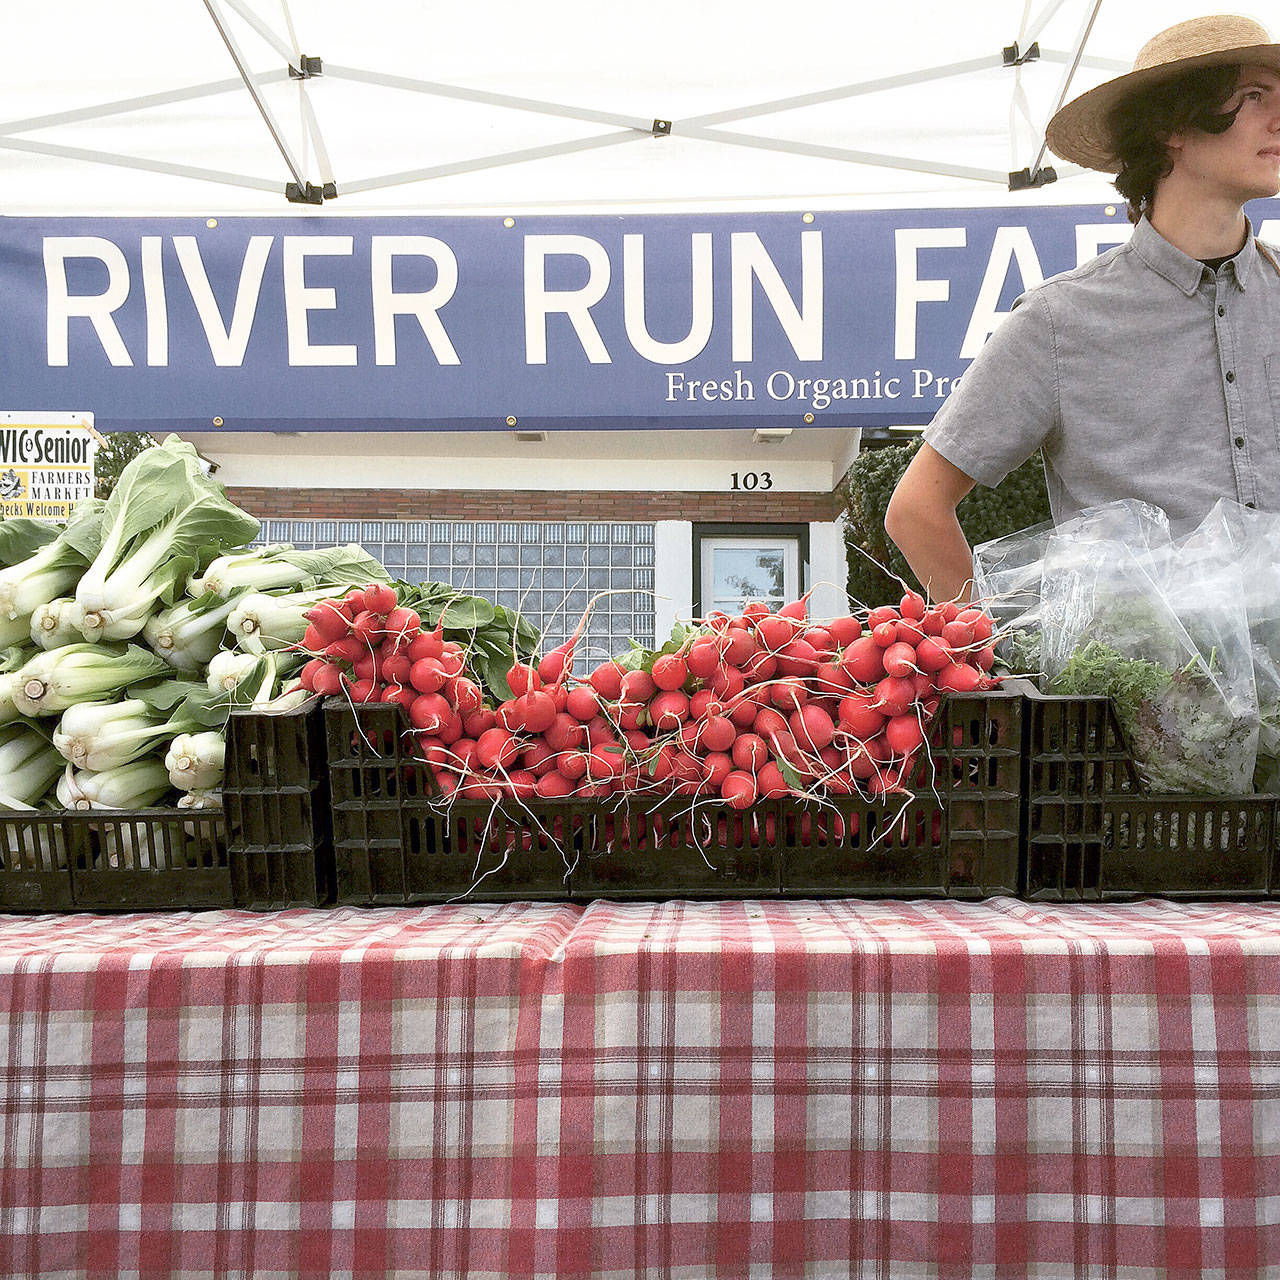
column 1006, row 574
column 1007, row 571
column 1252, row 539
column 1162, row 630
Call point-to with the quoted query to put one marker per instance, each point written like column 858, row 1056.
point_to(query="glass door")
column 738, row 568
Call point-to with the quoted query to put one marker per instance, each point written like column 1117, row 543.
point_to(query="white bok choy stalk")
column 251, row 678
column 57, row 623
column 284, row 567
column 261, row 686
column 53, row 681
column 254, row 570
column 10, row 660
column 228, row 669
column 189, row 633
column 208, row 799
column 141, row 846
column 195, row 761
column 8, row 711
column 55, row 568
column 33, row 846
column 292, row 696
column 163, row 511
column 260, row 622
column 104, row 735
column 137, row 785
column 198, row 800
column 28, row 762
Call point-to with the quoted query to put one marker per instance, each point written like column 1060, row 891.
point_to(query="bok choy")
column 195, row 760
column 53, row 681
column 260, row 622
column 57, row 623
column 284, row 567
column 137, row 785
column 190, row 633
column 102, row 735
column 162, row 514
column 54, row 568
column 251, row 679
column 21, row 537
column 37, row 847
column 28, row 762
column 10, row 660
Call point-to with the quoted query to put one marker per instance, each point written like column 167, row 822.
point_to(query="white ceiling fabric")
column 666, row 60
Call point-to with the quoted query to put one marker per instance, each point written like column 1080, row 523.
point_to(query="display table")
column 796, row 1089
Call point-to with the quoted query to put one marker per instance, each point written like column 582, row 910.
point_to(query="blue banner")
column 475, row 323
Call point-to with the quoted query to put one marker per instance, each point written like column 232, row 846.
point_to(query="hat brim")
column 1079, row 133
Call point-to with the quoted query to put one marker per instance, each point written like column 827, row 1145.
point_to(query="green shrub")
column 1020, row 500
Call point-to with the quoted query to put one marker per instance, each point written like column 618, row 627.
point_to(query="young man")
column 1153, row 371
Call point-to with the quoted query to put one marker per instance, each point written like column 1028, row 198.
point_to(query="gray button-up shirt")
column 1142, row 374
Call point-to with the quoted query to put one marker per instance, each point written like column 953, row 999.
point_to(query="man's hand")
column 921, row 520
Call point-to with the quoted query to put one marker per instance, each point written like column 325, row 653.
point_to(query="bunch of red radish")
column 761, row 705
column 369, row 648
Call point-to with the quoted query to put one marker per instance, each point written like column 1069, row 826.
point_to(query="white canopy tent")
column 211, row 108
column 197, row 106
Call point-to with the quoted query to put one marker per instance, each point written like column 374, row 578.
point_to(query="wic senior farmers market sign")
column 46, row 464
column 840, row 319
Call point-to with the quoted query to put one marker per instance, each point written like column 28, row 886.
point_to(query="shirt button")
column 1239, row 442
column 1231, row 377
column 1222, row 311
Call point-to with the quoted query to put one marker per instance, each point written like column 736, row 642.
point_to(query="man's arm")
column 921, row 520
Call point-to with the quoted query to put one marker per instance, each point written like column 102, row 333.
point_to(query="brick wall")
column 529, row 504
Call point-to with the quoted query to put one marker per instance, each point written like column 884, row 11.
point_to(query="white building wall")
column 828, row 570
column 690, row 461
column 672, row 576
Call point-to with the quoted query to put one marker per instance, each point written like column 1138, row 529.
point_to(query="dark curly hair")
column 1142, row 124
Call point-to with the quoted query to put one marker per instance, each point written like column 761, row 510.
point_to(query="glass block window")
column 548, row 571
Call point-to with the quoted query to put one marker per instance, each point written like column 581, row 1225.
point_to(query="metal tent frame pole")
column 1072, row 64
column 140, row 162
column 297, row 67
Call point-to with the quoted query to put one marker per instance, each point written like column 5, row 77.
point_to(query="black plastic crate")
column 37, row 852
column 276, row 798
column 671, row 849
column 392, row 845
column 124, row 860
column 959, row 836
column 1094, row 834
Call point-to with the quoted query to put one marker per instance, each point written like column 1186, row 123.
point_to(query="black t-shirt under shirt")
column 1214, row 263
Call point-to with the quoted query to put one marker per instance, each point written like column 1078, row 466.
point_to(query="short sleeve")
column 1007, row 403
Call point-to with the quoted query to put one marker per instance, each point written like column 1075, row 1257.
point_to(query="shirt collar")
column 1180, row 270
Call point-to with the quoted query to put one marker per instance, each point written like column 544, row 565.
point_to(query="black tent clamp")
column 308, row 193
column 1012, row 58
column 1025, row 180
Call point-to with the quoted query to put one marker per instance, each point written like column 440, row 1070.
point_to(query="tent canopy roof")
column 608, row 71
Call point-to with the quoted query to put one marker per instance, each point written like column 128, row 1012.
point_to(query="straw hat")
column 1079, row 131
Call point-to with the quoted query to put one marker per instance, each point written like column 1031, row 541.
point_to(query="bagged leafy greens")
column 1163, row 631
column 1252, row 539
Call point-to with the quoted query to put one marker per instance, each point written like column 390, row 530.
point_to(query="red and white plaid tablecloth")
column 736, row 1090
